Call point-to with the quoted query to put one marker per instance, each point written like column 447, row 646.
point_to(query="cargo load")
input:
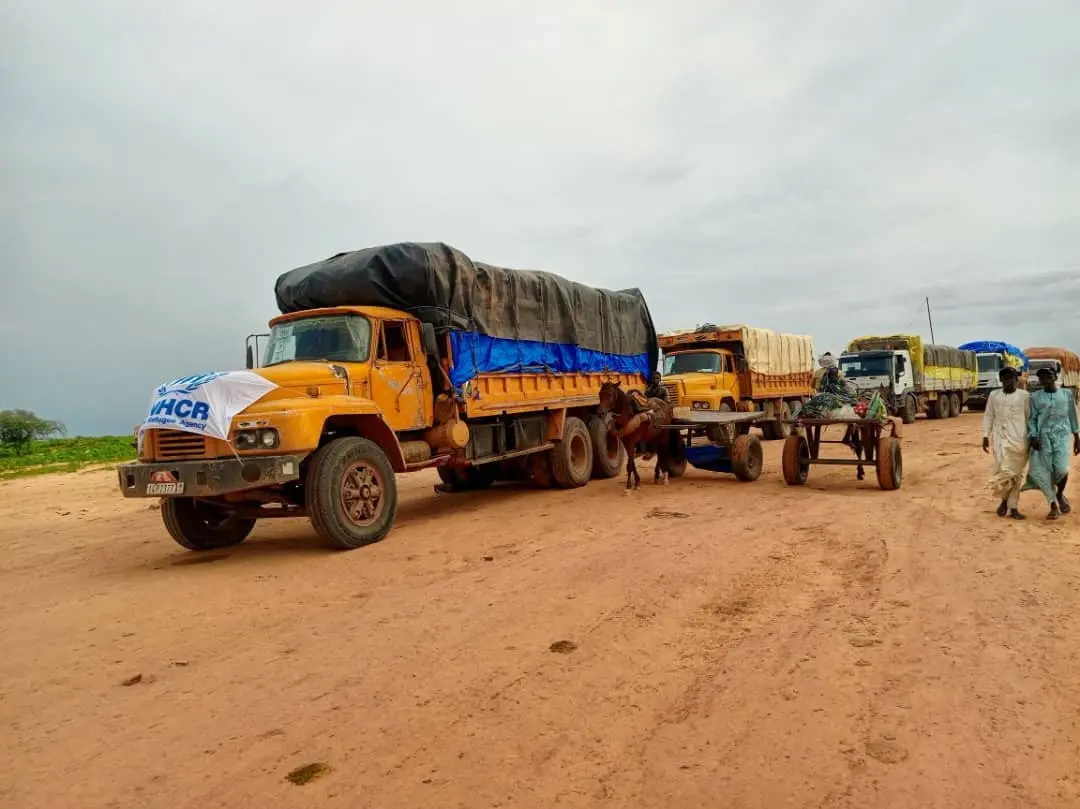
column 1012, row 355
column 498, row 320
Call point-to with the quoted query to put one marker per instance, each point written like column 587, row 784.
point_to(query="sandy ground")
column 730, row 645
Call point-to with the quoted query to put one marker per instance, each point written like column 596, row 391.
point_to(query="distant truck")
column 917, row 378
column 992, row 356
column 739, row 368
column 387, row 360
column 1064, row 362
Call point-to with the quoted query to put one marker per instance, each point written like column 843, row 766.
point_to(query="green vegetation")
column 19, row 428
column 64, row 455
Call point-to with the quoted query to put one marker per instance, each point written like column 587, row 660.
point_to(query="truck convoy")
column 918, row 378
column 386, row 360
column 992, row 356
column 1065, row 363
column 739, row 368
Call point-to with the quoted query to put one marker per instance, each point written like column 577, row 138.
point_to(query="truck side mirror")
column 250, row 357
column 431, row 342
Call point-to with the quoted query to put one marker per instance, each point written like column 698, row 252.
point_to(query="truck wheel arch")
column 367, row 426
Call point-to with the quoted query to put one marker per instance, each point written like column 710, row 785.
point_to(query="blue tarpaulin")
column 996, row 347
column 480, row 354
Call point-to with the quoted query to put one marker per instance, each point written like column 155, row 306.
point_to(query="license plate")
column 164, row 488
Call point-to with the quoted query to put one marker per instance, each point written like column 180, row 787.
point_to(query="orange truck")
column 739, row 368
column 390, row 360
column 1065, row 363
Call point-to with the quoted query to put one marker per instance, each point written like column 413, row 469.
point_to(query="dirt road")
column 717, row 644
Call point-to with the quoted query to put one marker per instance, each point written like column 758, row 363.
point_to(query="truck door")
column 397, row 379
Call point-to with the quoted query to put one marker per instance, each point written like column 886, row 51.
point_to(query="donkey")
column 638, row 419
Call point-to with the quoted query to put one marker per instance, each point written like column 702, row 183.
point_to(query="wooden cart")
column 734, row 453
column 879, row 439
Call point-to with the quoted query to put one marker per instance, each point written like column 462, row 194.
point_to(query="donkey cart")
column 734, row 453
column 802, row 449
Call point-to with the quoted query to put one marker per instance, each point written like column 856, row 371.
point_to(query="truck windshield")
column 866, row 366
column 690, row 362
column 345, row 338
column 989, row 362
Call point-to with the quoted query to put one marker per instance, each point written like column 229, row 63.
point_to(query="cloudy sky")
column 811, row 167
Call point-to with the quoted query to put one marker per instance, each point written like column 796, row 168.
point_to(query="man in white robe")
column 1005, row 423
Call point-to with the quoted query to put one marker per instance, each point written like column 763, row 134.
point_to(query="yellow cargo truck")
column 739, row 368
column 390, row 360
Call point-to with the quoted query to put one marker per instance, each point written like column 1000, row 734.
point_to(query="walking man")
column 1005, row 420
column 1053, row 420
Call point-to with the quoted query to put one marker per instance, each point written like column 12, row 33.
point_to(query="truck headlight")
column 257, row 439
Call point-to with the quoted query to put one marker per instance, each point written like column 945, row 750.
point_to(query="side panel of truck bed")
column 495, row 394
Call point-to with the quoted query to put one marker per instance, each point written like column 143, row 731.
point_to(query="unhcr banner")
column 205, row 403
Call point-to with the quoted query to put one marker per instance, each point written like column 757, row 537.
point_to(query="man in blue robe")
column 1053, row 421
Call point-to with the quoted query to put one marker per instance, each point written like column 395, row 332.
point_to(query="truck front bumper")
column 205, row 478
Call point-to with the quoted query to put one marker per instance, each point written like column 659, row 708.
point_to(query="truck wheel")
column 955, row 405
column 909, row 410
column 201, row 526
column 351, row 493
column 890, row 464
column 721, row 433
column 676, row 457
column 778, row 430
column 539, row 469
column 572, row 458
column 939, row 408
column 608, row 454
column 746, row 457
column 796, row 460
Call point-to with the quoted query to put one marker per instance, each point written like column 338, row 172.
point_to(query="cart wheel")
column 746, row 458
column 890, row 464
column 796, row 461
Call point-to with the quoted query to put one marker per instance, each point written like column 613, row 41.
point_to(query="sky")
column 816, row 168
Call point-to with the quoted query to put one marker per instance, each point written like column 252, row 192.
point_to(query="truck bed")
column 496, row 394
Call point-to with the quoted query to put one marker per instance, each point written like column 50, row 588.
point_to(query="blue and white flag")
column 204, row 403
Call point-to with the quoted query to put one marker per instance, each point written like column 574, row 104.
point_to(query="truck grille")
column 174, row 445
column 673, row 392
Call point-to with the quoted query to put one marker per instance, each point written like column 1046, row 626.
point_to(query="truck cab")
column 873, row 370
column 989, row 365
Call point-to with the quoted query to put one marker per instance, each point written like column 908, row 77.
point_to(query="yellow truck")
column 739, row 368
column 390, row 360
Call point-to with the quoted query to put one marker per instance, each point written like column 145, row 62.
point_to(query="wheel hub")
column 361, row 494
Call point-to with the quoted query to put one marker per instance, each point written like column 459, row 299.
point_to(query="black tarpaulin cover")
column 501, row 319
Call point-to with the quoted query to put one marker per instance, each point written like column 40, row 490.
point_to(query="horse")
column 635, row 418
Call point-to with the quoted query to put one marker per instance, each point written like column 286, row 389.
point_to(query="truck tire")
column 796, row 460
column 609, row 457
column 939, row 408
column 746, row 457
column 572, row 458
column 955, row 405
column 890, row 464
column 676, row 457
column 351, row 493
column 725, row 433
column 909, row 409
column 778, row 430
column 201, row 526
